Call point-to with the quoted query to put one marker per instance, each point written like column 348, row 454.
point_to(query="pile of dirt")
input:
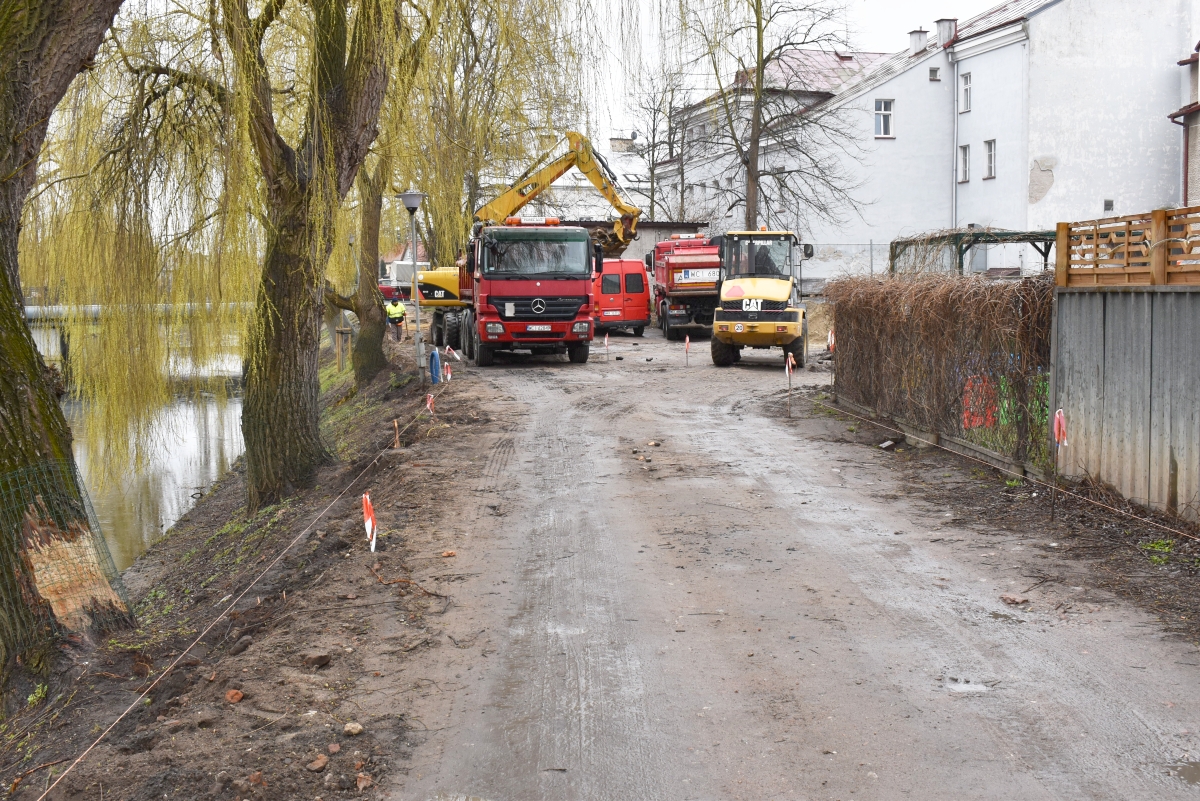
column 265, row 705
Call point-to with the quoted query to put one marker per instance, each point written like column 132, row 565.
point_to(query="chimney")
column 916, row 41
column 947, row 29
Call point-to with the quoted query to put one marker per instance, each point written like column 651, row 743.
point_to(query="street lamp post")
column 412, row 201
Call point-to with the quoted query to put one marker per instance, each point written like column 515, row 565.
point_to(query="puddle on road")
column 1188, row 771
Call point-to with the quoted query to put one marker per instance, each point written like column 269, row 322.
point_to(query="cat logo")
column 752, row 304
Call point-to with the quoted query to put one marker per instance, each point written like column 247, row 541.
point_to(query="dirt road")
column 759, row 610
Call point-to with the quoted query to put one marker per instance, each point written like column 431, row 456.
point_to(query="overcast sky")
column 882, row 25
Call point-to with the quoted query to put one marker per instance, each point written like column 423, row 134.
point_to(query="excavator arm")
column 543, row 173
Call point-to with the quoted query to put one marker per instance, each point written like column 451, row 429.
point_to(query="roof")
column 803, row 70
column 1000, row 16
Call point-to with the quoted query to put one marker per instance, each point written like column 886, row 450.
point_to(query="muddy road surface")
column 756, row 608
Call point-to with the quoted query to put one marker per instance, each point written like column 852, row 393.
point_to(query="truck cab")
column 759, row 296
column 528, row 285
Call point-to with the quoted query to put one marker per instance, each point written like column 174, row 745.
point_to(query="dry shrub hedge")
column 964, row 356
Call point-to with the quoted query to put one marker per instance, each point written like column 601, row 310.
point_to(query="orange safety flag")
column 429, row 404
column 369, row 520
column 446, row 370
column 1060, row 429
column 452, row 352
column 789, row 364
column 687, row 342
column 606, row 340
column 831, row 340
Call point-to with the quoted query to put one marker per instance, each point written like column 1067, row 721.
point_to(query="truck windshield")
column 536, row 257
column 760, row 255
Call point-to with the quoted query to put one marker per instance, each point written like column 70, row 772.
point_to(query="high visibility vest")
column 395, row 312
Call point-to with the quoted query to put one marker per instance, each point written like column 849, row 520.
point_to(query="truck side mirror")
column 806, row 250
column 471, row 261
column 649, row 259
column 597, row 258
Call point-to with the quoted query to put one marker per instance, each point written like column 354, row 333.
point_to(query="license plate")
column 614, row 313
column 537, row 328
column 696, row 276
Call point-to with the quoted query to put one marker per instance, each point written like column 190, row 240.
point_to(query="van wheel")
column 578, row 354
column 452, row 328
column 723, row 354
column 638, row 330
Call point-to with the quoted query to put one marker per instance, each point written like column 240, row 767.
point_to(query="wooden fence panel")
column 1158, row 248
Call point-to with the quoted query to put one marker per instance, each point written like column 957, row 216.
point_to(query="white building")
column 1032, row 113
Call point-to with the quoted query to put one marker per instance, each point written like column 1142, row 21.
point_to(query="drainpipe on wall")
column 954, row 153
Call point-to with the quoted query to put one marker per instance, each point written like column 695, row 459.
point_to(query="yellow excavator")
column 440, row 288
column 544, row 172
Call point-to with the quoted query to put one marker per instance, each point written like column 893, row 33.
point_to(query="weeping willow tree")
column 501, row 86
column 193, row 194
column 498, row 74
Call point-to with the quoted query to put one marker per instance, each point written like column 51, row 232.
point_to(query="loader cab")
column 758, row 254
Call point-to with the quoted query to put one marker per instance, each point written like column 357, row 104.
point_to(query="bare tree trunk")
column 756, row 114
column 367, row 302
column 43, row 45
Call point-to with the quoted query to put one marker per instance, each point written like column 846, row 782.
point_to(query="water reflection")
column 199, row 439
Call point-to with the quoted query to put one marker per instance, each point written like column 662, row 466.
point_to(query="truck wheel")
column 468, row 335
column 796, row 348
column 737, row 353
column 723, row 354
column 435, row 329
column 453, row 327
column 578, row 354
column 668, row 332
column 482, row 352
column 638, row 330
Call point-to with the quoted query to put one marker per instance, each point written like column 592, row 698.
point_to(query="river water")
column 197, row 441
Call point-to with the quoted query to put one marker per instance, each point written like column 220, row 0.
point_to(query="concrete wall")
column 904, row 183
column 998, row 104
column 1102, row 80
column 1126, row 373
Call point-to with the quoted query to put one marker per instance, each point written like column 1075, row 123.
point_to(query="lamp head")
column 411, row 200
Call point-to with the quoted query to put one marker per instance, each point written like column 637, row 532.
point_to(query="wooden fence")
column 1161, row 248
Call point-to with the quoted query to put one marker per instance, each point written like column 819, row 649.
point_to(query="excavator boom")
column 538, row 177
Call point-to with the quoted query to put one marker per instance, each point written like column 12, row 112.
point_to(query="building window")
column 883, row 119
column 964, row 163
column 935, row 73
column 989, row 149
column 1108, row 205
column 966, row 93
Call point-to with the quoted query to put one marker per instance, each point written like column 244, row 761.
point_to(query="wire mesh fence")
column 57, row 576
column 963, row 357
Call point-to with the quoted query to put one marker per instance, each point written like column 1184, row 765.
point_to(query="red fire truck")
column 686, row 269
column 528, row 286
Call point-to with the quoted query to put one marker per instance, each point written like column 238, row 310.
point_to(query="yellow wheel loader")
column 759, row 296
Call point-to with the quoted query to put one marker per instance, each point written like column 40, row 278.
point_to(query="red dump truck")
column 686, row 269
column 528, row 286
